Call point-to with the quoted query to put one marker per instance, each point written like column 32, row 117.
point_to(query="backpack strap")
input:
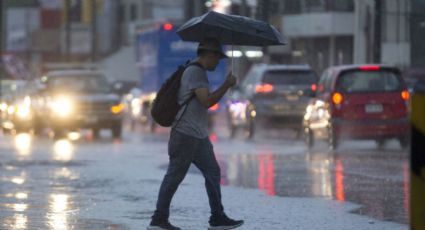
column 186, row 103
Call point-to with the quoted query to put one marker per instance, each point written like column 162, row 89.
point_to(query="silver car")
column 272, row 94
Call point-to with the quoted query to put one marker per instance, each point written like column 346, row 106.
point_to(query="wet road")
column 378, row 180
column 47, row 184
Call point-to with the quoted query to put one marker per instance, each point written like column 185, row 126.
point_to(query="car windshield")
column 369, row 81
column 280, row 77
column 83, row 83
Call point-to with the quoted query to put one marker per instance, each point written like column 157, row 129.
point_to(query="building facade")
column 325, row 33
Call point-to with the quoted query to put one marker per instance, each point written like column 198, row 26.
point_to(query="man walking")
column 189, row 142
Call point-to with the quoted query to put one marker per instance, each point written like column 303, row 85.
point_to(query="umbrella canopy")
column 230, row 30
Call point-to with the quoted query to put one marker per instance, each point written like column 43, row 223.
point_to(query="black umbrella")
column 230, row 30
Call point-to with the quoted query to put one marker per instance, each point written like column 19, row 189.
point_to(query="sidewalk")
column 132, row 202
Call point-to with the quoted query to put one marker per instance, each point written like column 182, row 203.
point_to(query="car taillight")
column 313, row 87
column 167, row 26
column 264, row 88
column 370, row 67
column 214, row 107
column 337, row 98
column 405, row 95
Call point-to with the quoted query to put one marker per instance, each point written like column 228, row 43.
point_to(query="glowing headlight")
column 135, row 106
column 3, row 106
column 23, row 111
column 62, row 106
column 253, row 113
column 152, row 96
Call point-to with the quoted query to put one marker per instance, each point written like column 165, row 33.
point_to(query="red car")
column 359, row 102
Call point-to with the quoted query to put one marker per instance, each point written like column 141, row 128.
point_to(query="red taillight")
column 337, row 98
column 214, row 107
column 313, row 87
column 167, row 26
column 405, row 95
column 264, row 88
column 370, row 67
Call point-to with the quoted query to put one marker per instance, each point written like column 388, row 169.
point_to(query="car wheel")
column 133, row 123
column 95, row 132
column 380, row 143
column 404, row 142
column 309, row 138
column 232, row 130
column 38, row 130
column 299, row 132
column 152, row 126
column 58, row 133
column 20, row 130
column 116, row 131
column 332, row 139
column 251, row 129
column 6, row 131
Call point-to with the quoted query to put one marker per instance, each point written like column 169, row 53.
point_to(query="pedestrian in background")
column 189, row 141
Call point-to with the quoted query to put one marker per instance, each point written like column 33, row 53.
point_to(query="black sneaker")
column 163, row 225
column 223, row 223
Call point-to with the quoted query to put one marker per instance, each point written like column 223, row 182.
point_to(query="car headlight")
column 3, row 106
column 23, row 112
column 62, row 106
column 135, row 106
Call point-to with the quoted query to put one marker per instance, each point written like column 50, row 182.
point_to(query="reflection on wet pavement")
column 42, row 187
column 23, row 144
column 57, row 213
column 63, row 150
column 46, row 185
column 362, row 177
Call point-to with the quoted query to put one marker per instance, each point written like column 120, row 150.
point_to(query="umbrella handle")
column 232, row 60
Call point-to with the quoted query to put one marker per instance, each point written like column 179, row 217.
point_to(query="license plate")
column 373, row 108
column 91, row 119
column 292, row 97
column 280, row 107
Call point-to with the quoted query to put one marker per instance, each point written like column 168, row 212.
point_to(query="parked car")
column 276, row 94
column 359, row 102
column 76, row 99
column 412, row 76
column 15, row 106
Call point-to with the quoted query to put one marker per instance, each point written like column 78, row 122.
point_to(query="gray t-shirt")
column 194, row 121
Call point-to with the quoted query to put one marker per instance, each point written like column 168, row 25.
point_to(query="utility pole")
column 263, row 14
column 2, row 25
column 189, row 5
column 2, row 35
column 377, row 32
column 67, row 29
column 244, row 8
column 94, row 31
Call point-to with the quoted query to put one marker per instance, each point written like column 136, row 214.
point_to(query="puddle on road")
column 29, row 163
column 56, row 210
column 20, row 221
column 376, row 180
column 45, row 187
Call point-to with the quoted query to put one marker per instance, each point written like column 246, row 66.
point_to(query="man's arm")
column 208, row 99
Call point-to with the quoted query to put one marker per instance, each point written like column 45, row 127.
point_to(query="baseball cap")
column 212, row 44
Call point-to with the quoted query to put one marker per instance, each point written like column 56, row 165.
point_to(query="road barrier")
column 417, row 159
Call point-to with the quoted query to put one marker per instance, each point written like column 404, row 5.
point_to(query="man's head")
column 210, row 53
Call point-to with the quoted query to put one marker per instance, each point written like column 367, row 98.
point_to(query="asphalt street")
column 273, row 182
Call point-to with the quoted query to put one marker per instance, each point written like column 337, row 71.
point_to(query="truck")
column 159, row 52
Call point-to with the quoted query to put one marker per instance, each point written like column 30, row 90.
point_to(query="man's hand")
column 230, row 80
column 208, row 99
